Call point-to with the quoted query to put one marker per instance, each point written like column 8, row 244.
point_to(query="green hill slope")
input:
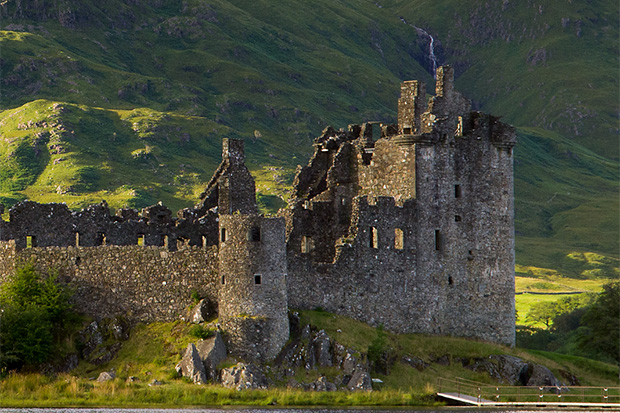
column 128, row 101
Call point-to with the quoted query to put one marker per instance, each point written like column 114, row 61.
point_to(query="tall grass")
column 31, row 390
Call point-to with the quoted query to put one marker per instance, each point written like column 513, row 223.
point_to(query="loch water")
column 281, row 410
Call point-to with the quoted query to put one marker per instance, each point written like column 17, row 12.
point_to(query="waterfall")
column 431, row 45
column 431, row 55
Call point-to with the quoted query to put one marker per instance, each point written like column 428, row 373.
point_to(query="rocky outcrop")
column 243, row 376
column 543, row 377
column 191, row 365
column 311, row 350
column 212, row 352
column 513, row 371
column 101, row 340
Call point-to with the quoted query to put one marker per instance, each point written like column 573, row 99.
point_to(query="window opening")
column 406, row 131
column 306, row 244
column 254, row 234
column 223, row 234
column 374, row 238
column 457, row 218
column 101, row 239
column 77, row 261
column 457, row 191
column 257, row 279
column 450, row 281
column 438, row 240
column 399, row 239
column 223, row 280
column 459, row 128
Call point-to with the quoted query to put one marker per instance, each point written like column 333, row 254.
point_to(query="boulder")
column 512, row 370
column 360, row 379
column 90, row 338
column 212, row 352
column 321, row 384
column 201, row 312
column 542, row 376
column 106, row 376
column 191, row 365
column 321, row 349
column 415, row 362
column 243, row 376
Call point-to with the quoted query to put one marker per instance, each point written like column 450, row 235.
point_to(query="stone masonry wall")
column 143, row 284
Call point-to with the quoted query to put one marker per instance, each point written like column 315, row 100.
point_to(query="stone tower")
column 252, row 268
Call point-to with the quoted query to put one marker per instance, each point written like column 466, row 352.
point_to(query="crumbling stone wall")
column 443, row 262
column 142, row 284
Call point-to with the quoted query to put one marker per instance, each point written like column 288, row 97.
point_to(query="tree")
column 543, row 312
column 34, row 314
column 600, row 325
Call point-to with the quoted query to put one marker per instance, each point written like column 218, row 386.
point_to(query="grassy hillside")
column 128, row 102
column 152, row 351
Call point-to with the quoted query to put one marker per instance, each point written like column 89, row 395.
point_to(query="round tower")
column 252, row 291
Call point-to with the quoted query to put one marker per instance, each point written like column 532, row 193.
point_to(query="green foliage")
column 35, row 315
column 601, row 325
column 587, row 325
column 199, row 331
column 195, row 296
column 378, row 346
column 547, row 311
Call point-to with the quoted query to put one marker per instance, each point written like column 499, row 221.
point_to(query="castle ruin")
column 410, row 226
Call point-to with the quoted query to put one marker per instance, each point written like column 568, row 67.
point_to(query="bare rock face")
column 360, row 379
column 321, row 349
column 321, row 384
column 415, row 362
column 202, row 312
column 191, row 365
column 513, row 371
column 212, row 351
column 243, row 376
column 542, row 376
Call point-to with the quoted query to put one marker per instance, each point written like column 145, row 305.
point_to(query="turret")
column 252, row 265
column 252, row 292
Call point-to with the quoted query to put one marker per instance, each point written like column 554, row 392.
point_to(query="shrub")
column 34, row 315
column 199, row 331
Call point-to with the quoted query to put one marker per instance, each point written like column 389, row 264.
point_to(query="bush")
column 199, row 331
column 35, row 315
